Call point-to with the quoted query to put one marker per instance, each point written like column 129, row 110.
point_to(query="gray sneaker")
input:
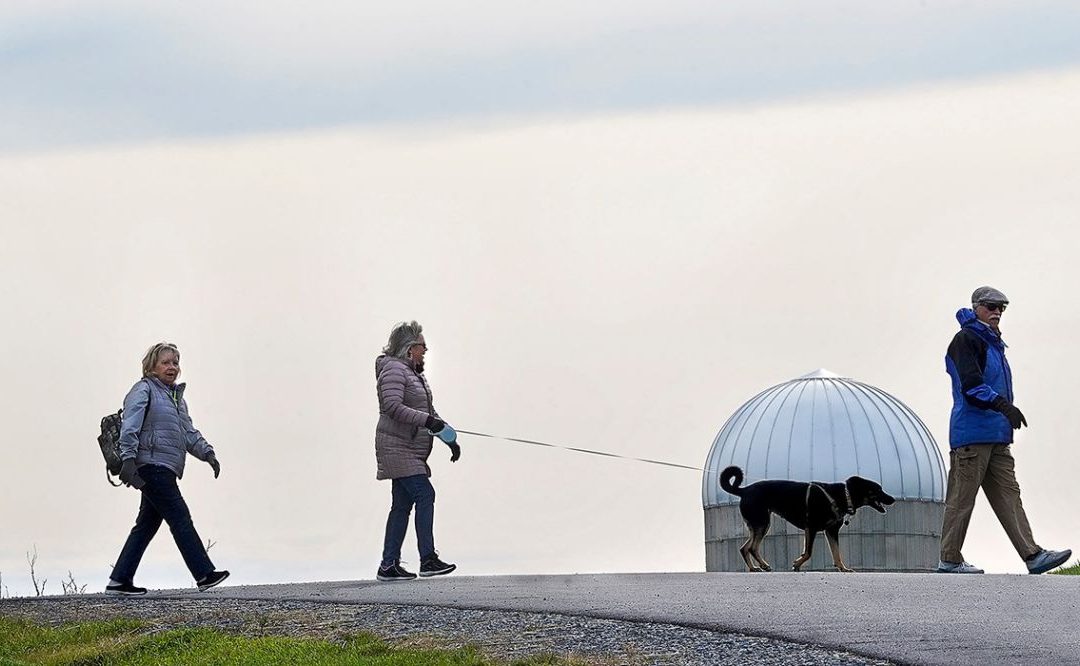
column 1045, row 560
column 957, row 567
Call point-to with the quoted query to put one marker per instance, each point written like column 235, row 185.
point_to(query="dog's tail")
column 730, row 480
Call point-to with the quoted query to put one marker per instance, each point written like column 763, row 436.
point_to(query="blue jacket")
column 163, row 434
column 980, row 373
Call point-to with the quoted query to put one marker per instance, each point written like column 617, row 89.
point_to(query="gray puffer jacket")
column 163, row 434
column 402, row 443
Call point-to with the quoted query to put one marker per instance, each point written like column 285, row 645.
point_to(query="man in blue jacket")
column 980, row 434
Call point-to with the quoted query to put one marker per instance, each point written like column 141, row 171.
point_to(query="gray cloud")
column 128, row 75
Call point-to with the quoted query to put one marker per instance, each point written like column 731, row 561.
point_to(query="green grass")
column 128, row 642
column 1072, row 570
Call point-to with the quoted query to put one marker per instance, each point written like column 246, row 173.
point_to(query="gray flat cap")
column 987, row 295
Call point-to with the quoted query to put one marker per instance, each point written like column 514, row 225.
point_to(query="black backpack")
column 109, row 441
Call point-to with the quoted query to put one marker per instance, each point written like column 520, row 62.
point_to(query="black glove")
column 434, row 424
column 455, row 451
column 129, row 474
column 212, row 461
column 1011, row 412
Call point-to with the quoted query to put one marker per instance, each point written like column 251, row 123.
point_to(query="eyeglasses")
column 420, row 344
column 994, row 307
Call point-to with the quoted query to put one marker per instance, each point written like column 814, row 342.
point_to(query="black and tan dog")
column 812, row 507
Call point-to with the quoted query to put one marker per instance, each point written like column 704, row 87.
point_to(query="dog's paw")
column 845, row 570
column 766, row 567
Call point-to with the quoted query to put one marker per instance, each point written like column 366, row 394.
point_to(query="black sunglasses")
column 1000, row 307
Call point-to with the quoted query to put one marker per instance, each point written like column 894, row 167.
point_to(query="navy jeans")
column 408, row 491
column 161, row 500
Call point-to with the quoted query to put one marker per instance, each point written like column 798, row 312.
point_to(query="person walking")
column 980, row 437
column 156, row 434
column 403, row 442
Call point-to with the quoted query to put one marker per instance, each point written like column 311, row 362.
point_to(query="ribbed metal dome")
column 824, row 427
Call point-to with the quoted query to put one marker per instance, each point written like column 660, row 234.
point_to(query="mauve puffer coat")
column 402, row 443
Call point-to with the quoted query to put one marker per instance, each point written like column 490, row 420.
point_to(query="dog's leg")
column 755, row 547
column 833, row 533
column 745, row 550
column 808, row 549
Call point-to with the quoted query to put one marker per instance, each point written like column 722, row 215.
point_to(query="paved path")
column 909, row 618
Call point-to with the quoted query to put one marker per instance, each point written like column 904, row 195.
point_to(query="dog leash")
column 606, row 454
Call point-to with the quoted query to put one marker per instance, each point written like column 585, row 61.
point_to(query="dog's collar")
column 832, row 503
column 847, row 498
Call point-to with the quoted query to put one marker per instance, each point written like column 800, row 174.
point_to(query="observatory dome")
column 824, row 427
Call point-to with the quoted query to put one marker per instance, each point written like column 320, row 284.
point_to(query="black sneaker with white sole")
column 394, row 573
column 125, row 590
column 211, row 579
column 433, row 566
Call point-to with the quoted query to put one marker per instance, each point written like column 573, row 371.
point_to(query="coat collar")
column 968, row 320
column 178, row 389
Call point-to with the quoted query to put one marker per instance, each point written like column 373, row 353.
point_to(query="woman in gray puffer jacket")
column 156, row 434
column 403, row 441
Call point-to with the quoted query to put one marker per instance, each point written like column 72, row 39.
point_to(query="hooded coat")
column 402, row 443
column 980, row 373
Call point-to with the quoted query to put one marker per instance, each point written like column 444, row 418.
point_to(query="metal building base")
column 908, row 538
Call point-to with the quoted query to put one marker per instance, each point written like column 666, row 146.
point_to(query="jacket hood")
column 383, row 360
column 965, row 316
column 968, row 319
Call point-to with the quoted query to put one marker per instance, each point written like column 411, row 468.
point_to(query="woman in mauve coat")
column 403, row 441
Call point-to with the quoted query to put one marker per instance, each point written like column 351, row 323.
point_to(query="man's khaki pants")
column 991, row 467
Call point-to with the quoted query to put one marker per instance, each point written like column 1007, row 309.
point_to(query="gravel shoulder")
column 497, row 633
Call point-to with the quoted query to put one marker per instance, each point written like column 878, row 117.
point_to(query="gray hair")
column 154, row 353
column 404, row 335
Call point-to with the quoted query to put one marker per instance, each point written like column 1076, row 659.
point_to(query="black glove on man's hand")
column 213, row 462
column 433, row 424
column 129, row 474
column 455, row 451
column 1011, row 412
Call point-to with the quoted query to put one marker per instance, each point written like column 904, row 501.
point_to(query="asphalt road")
column 909, row 618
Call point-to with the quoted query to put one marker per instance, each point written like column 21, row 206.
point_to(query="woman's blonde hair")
column 154, row 353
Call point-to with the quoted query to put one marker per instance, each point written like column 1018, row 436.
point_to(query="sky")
column 617, row 223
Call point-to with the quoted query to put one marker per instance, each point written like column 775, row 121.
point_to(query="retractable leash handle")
column 448, row 435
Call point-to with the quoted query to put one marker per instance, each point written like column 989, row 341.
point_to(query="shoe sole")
column 203, row 588
column 440, row 572
column 395, row 579
column 946, row 571
column 121, row 593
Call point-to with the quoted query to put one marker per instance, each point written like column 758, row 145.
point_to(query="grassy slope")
column 128, row 642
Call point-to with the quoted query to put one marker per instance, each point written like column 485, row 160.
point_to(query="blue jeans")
column 161, row 500
column 408, row 491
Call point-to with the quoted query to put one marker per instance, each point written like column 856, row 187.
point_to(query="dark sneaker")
column 433, row 566
column 394, row 573
column 1045, row 560
column 125, row 590
column 211, row 579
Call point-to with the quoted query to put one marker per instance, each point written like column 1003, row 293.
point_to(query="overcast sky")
column 118, row 71
column 616, row 224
